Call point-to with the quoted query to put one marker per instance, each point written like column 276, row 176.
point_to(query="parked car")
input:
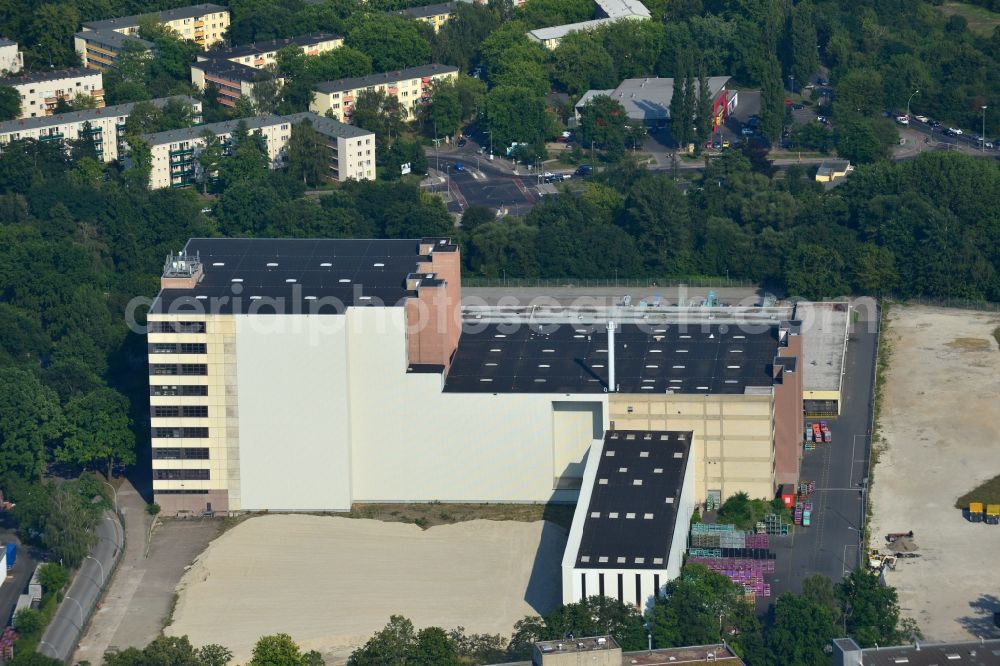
column 459, row 167
column 954, row 131
column 747, row 131
column 923, row 119
column 903, row 120
column 717, row 145
column 935, row 124
column 584, row 170
column 725, row 143
column 462, row 142
column 797, row 106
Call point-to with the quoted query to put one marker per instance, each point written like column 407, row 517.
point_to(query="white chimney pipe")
column 611, row 357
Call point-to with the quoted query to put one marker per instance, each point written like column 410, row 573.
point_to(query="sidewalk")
column 105, row 628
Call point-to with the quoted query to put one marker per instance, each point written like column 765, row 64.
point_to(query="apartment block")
column 106, row 126
column 434, row 15
column 410, row 86
column 232, row 79
column 41, row 91
column 11, row 58
column 351, row 150
column 608, row 11
column 204, row 24
column 261, row 54
column 99, row 49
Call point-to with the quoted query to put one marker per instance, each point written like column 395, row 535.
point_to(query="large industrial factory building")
column 305, row 375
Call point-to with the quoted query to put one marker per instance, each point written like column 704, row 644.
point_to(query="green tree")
column 680, row 119
column 703, row 110
column 307, row 153
column 602, row 122
column 580, row 63
column 53, row 577
column 656, row 214
column 128, row 81
column 515, row 114
column 772, row 99
column 871, row 610
column 874, row 270
column 267, row 92
column 443, row 114
column 29, row 621
column 388, row 647
column 214, row 655
column 31, row 422
column 276, row 650
column 391, row 42
column 83, row 102
column 209, row 158
column 736, row 510
column 805, row 42
column 84, row 146
column 98, row 430
column 800, row 631
column 10, row 103
column 51, row 31
column 434, row 647
column 858, row 141
column 702, row 607
column 815, row 271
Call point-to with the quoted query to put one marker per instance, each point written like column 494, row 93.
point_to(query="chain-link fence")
column 93, row 577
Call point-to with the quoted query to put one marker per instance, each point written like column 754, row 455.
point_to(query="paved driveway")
column 831, row 546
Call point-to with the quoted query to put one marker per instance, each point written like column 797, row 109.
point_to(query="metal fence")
column 608, row 283
column 961, row 303
column 92, row 579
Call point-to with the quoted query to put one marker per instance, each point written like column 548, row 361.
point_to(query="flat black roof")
column 570, row 358
column 633, row 503
column 299, row 271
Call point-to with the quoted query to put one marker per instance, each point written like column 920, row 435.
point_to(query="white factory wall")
column 412, row 442
column 651, row 580
column 294, row 420
column 685, row 509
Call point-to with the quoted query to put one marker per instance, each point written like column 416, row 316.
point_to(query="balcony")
column 182, row 151
column 51, row 137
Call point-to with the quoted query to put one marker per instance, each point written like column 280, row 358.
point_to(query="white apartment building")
column 11, row 58
column 204, row 24
column 41, row 91
column 175, row 153
column 261, row 54
column 609, row 10
column 99, row 49
column 410, row 86
column 106, row 126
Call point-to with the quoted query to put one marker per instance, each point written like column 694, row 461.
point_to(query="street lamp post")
column 908, row 103
column 103, row 578
column 982, row 142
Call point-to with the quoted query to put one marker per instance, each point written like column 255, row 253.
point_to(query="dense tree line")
column 698, row 608
column 927, row 227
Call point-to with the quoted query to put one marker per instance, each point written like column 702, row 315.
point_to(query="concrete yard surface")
column 332, row 582
column 941, row 427
column 138, row 602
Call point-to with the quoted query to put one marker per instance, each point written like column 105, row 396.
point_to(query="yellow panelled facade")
column 733, row 436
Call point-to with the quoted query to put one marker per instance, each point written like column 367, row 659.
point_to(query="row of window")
column 178, row 348
column 183, row 411
column 185, row 390
column 176, row 327
column 177, row 433
column 639, row 598
column 180, row 492
column 161, row 453
column 181, row 475
column 188, row 369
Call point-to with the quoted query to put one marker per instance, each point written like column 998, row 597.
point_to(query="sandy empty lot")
column 332, row 582
column 941, row 423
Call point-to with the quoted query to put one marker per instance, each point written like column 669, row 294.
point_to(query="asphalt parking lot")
column 832, row 544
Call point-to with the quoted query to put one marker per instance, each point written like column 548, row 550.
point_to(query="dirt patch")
column 940, row 430
column 331, row 582
column 427, row 515
column 970, row 344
